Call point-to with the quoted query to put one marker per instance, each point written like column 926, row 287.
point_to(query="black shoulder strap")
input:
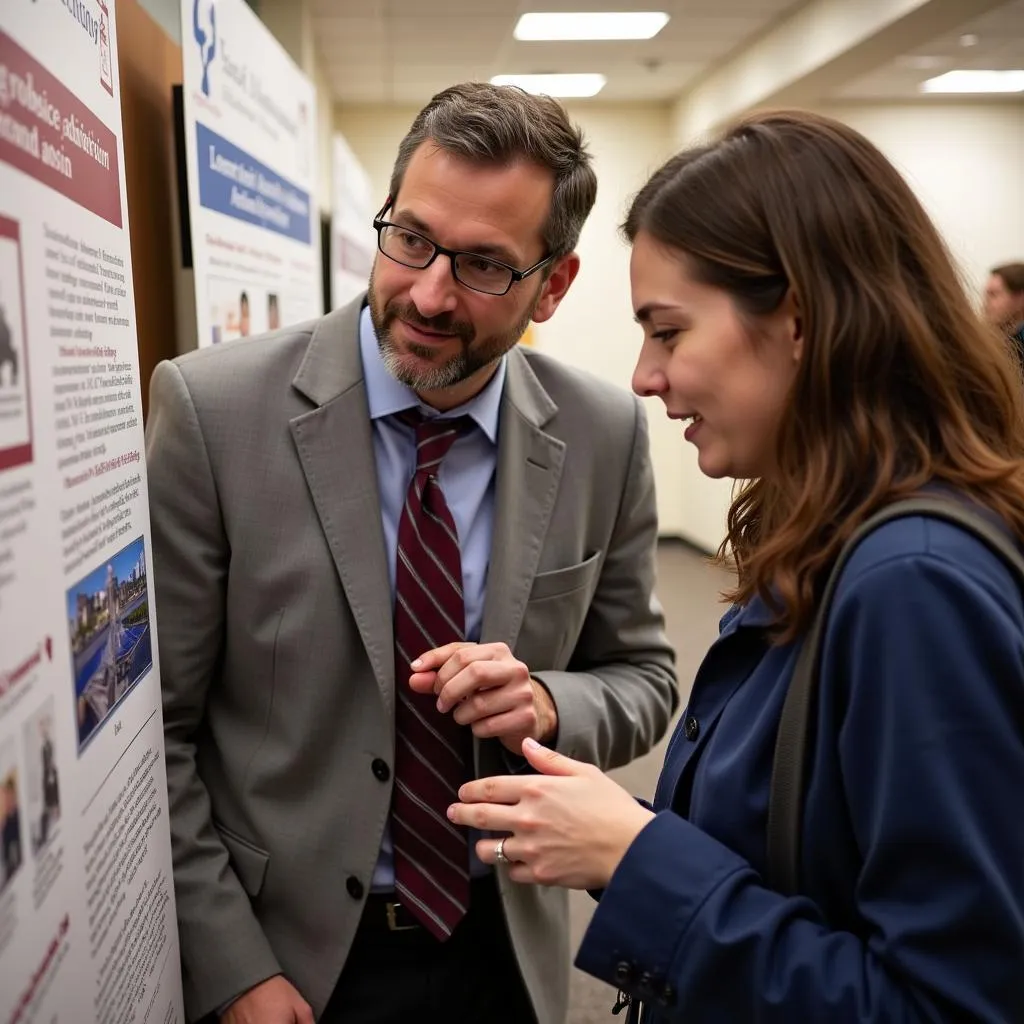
column 789, row 768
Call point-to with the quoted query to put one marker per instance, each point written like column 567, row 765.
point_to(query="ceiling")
column 999, row 46
column 404, row 51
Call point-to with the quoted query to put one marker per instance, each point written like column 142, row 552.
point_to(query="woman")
column 1004, row 302
column 804, row 322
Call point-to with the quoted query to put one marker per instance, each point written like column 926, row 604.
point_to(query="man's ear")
column 556, row 286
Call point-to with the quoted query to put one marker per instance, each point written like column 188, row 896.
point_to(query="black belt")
column 385, row 912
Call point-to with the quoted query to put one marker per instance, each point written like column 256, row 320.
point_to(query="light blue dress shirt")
column 467, row 479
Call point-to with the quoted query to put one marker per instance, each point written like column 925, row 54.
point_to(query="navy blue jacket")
column 913, row 858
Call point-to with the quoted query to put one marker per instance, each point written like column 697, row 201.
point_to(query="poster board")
column 353, row 241
column 249, row 128
column 87, row 916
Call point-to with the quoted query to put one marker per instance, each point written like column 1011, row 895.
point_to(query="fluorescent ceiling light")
column 976, row 81
column 595, row 25
column 555, row 85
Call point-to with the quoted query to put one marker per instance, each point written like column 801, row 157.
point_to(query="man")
column 8, row 355
column 390, row 545
column 10, row 829
column 1004, row 301
column 51, row 783
column 243, row 315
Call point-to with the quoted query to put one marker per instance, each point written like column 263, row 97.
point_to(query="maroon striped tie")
column 433, row 753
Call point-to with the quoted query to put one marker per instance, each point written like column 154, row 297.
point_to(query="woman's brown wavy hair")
column 900, row 383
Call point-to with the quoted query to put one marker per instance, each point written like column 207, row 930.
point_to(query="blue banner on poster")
column 233, row 183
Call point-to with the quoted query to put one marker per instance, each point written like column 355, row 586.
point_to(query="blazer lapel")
column 334, row 442
column 528, row 473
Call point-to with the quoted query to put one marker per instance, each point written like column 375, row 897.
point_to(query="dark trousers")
column 406, row 975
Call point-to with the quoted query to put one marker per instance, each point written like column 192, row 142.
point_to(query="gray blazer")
column 276, row 650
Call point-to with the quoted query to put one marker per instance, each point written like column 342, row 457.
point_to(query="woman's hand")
column 571, row 825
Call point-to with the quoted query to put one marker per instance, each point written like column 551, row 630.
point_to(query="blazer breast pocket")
column 565, row 581
column 248, row 861
column 557, row 607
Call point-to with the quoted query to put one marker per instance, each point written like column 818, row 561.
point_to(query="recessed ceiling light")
column 963, row 81
column 969, row 39
column 592, row 25
column 565, row 86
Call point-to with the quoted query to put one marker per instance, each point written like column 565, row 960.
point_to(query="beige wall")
column 966, row 163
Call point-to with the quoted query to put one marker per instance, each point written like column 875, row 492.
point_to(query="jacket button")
column 380, row 769
column 691, row 727
column 623, row 973
column 355, row 887
column 645, row 986
column 668, row 996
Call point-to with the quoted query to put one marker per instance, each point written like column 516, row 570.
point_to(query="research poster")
column 353, row 240
column 87, row 917
column 250, row 165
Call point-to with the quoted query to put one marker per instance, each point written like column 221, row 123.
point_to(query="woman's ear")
column 794, row 322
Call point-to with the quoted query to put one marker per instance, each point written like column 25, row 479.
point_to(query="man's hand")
column 275, row 1001
column 489, row 690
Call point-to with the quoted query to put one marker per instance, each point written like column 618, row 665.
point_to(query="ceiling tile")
column 388, row 51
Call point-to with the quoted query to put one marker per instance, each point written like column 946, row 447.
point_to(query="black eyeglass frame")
column 517, row 275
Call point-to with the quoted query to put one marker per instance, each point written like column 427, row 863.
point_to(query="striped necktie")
column 433, row 754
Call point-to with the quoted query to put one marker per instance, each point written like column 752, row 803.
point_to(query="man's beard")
column 473, row 356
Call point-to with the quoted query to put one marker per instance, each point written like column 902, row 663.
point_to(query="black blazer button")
column 668, row 996
column 355, row 887
column 623, row 973
column 691, row 727
column 380, row 769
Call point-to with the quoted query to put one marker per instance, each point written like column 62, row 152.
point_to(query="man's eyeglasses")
column 481, row 273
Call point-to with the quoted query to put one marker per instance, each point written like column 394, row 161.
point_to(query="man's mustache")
column 445, row 323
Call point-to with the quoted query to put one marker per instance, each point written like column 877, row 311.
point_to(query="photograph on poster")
column 232, row 308
column 243, row 309
column 10, row 815
column 15, row 420
column 42, row 782
column 111, row 643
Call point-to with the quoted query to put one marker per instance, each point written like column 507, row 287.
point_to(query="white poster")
column 250, row 143
column 353, row 240
column 87, row 918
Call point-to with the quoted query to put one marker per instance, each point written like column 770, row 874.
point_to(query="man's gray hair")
column 502, row 124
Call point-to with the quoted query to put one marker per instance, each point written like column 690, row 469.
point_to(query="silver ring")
column 499, row 852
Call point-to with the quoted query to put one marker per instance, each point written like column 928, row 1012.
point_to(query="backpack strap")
column 792, row 743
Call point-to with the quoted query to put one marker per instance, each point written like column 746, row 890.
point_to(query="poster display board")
column 250, row 165
column 87, row 918
column 353, row 242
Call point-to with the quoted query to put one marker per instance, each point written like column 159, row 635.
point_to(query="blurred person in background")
column 1004, row 301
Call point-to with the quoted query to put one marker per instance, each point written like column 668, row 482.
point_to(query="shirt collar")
column 386, row 396
column 756, row 613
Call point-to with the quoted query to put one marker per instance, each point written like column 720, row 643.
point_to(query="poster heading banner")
column 236, row 184
column 48, row 133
